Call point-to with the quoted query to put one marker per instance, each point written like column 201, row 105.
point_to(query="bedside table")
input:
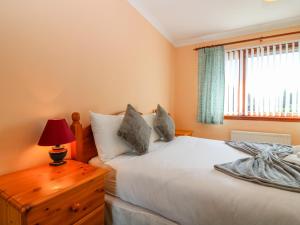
column 183, row 132
column 68, row 194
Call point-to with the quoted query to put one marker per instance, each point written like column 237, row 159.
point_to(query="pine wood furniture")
column 183, row 133
column 69, row 194
column 84, row 148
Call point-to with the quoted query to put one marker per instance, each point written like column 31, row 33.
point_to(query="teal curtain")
column 211, row 85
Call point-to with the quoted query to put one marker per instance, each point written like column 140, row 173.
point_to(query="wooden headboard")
column 84, row 148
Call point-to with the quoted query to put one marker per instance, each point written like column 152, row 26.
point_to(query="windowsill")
column 264, row 118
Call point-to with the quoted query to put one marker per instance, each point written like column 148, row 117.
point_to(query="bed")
column 175, row 183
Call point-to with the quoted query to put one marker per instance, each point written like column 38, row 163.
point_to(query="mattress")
column 177, row 180
column 110, row 178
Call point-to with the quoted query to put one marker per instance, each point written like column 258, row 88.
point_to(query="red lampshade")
column 56, row 132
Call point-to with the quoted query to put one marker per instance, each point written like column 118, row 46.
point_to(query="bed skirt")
column 118, row 212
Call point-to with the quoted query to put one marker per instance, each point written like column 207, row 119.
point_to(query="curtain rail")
column 296, row 44
column 248, row 40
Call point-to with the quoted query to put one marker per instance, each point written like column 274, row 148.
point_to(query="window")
column 263, row 82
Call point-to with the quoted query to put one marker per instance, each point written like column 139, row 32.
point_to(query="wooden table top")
column 41, row 183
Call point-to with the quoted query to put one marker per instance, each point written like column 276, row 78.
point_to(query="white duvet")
column 177, row 180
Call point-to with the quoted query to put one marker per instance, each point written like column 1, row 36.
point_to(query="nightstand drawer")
column 94, row 218
column 70, row 206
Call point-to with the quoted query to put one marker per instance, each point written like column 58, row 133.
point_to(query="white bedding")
column 177, row 180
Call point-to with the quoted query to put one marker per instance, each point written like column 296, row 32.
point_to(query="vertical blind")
column 263, row 81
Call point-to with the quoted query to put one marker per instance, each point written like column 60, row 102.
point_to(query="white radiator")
column 260, row 137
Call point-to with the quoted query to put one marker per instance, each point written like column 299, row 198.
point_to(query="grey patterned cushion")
column 135, row 131
column 164, row 124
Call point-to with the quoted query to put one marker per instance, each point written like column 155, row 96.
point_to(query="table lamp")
column 56, row 133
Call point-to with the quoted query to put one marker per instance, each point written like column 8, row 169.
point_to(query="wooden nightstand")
column 68, row 194
column 183, row 133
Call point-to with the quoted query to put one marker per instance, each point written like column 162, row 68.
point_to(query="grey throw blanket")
column 266, row 167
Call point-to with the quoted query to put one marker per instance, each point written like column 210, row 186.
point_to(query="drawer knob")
column 75, row 207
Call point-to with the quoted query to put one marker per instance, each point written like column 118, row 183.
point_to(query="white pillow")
column 149, row 118
column 105, row 129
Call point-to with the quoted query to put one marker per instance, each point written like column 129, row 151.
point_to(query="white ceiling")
column 191, row 21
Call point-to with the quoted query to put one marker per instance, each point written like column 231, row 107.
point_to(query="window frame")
column 265, row 118
column 243, row 102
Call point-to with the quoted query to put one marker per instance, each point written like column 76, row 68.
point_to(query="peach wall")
column 63, row 56
column 186, row 98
